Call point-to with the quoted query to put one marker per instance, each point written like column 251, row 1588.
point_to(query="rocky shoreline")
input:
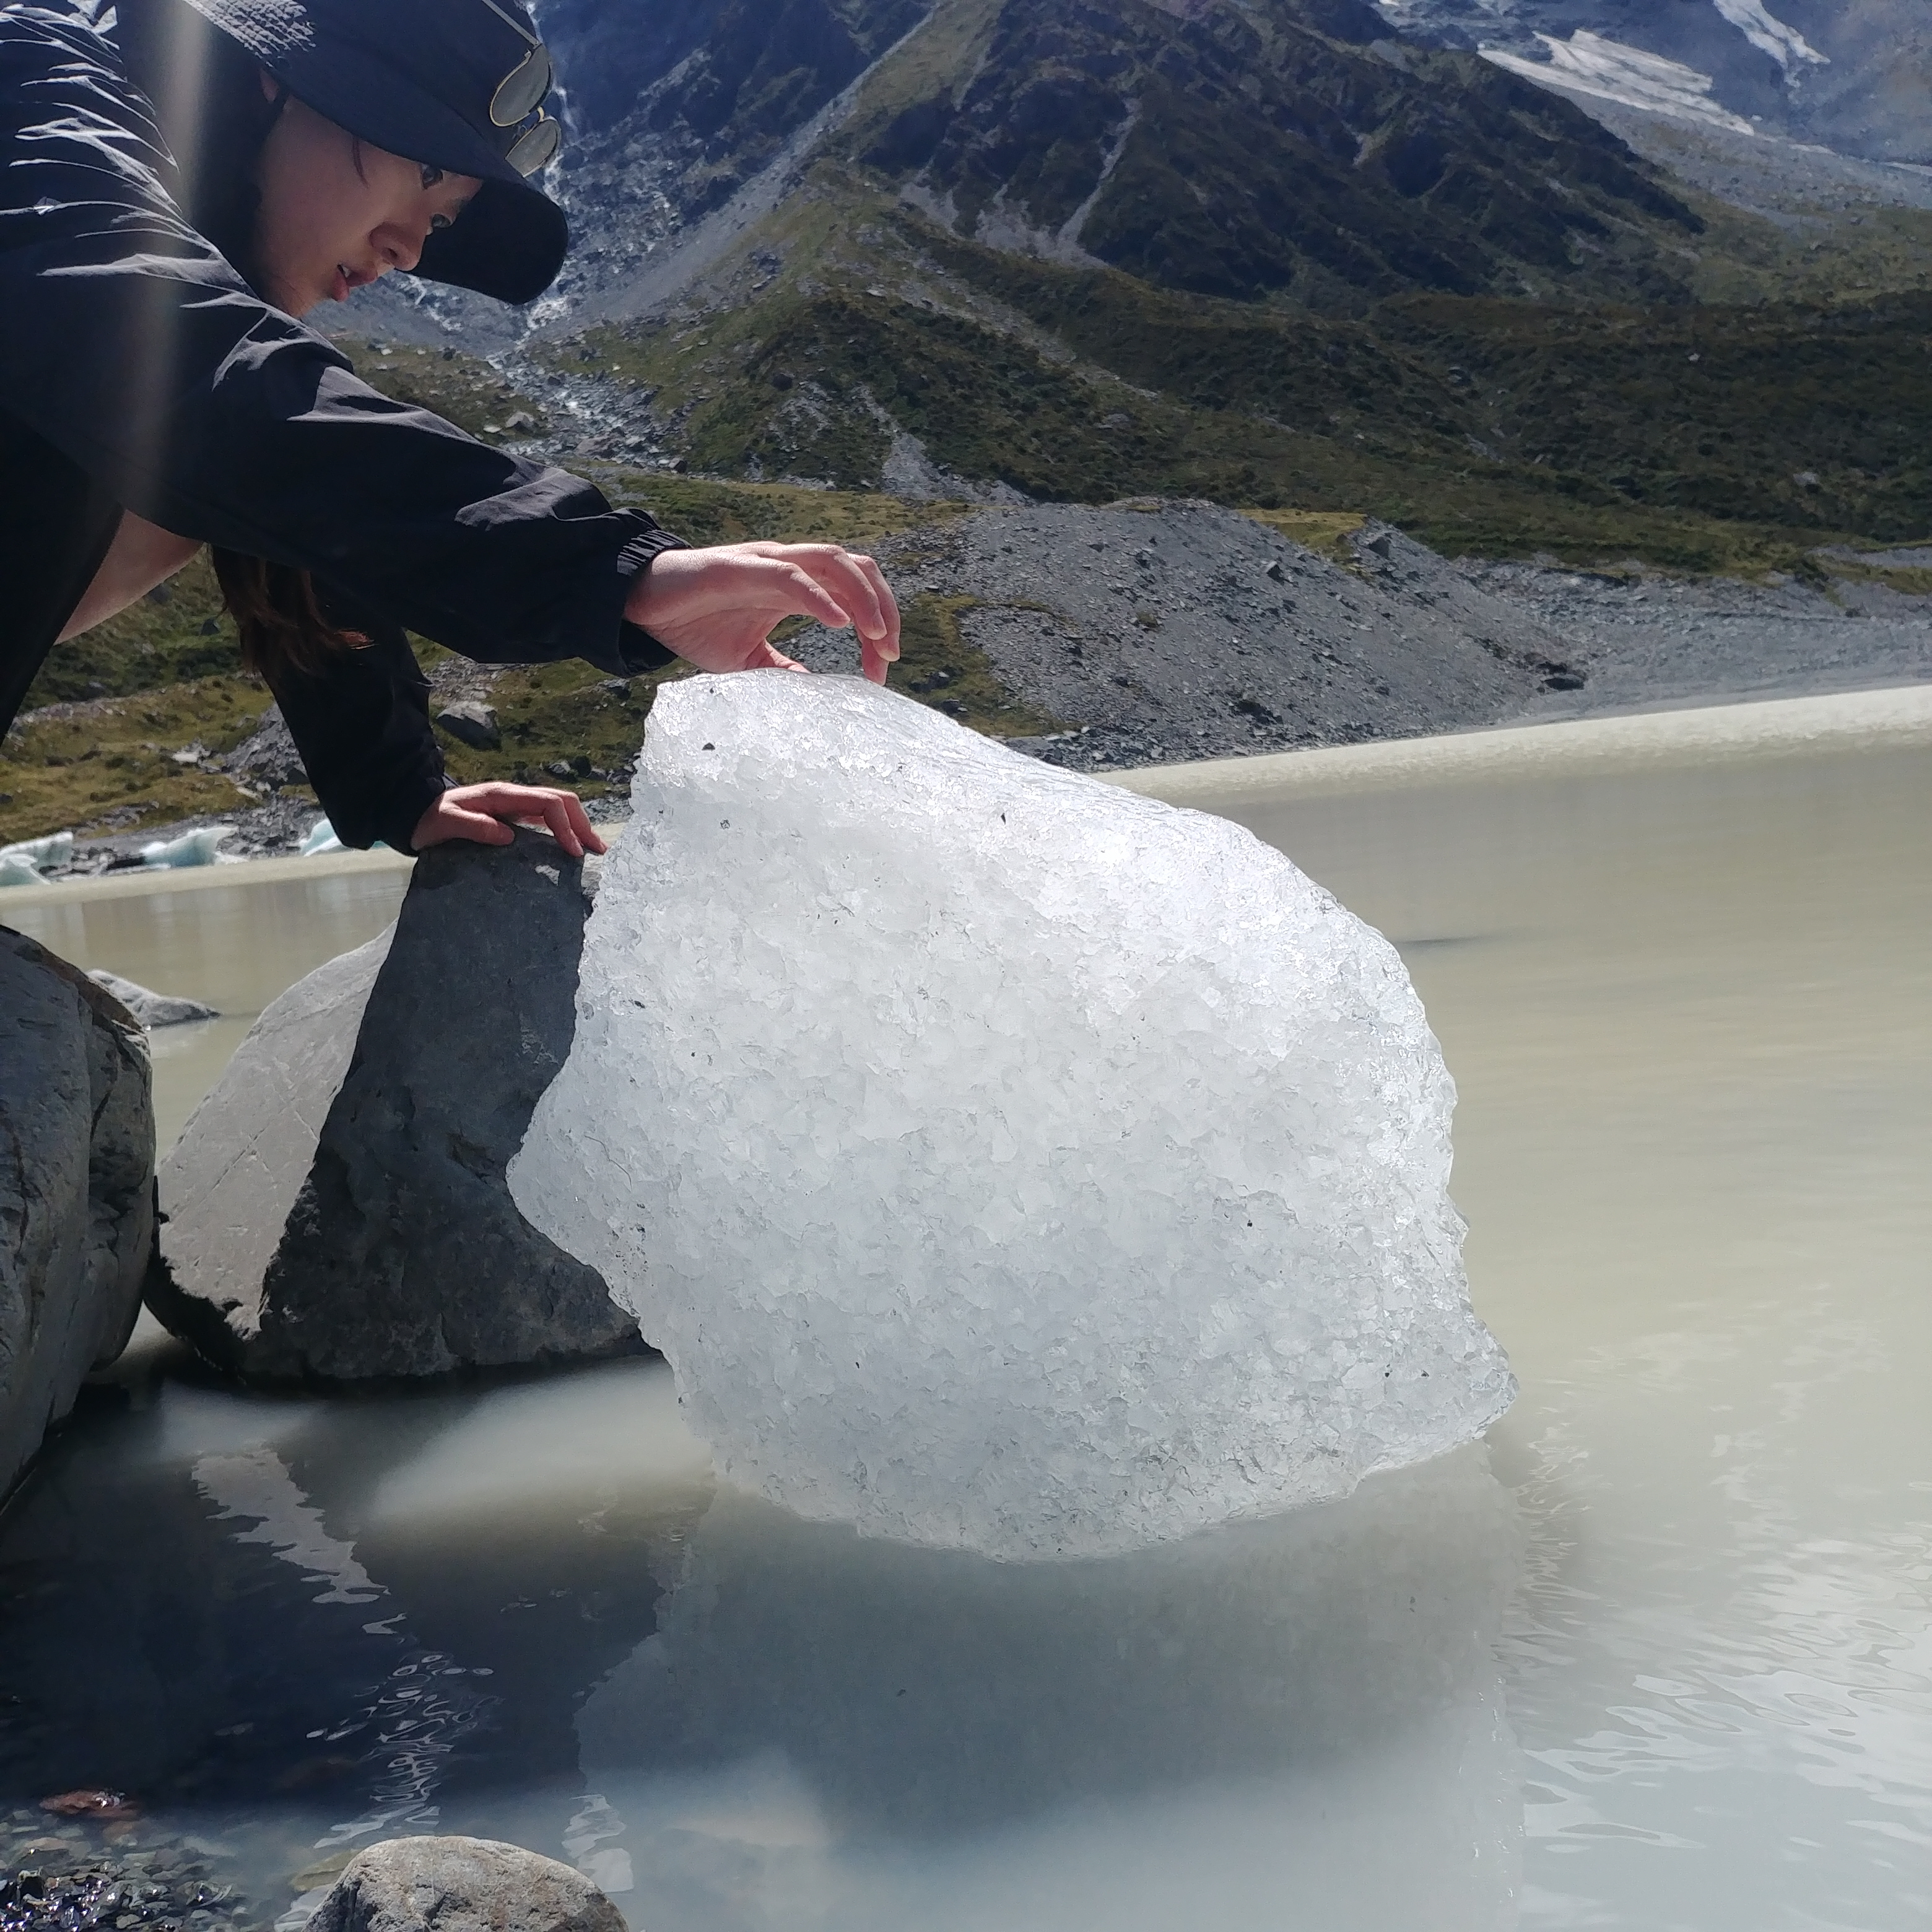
column 1155, row 632
column 114, row 1875
column 58, row 1876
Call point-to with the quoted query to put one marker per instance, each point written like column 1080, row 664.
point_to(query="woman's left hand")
column 716, row 608
column 486, row 813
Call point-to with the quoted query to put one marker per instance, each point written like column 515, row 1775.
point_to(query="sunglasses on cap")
column 521, row 92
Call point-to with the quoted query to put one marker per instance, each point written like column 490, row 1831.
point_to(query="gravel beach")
column 1161, row 633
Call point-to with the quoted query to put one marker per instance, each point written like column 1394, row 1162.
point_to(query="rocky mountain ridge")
column 1287, row 149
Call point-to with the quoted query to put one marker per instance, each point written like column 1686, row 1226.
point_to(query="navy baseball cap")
column 457, row 84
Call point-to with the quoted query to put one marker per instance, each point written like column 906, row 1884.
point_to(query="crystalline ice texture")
column 1003, row 1159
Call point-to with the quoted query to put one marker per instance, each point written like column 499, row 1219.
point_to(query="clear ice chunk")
column 1002, row 1160
column 200, row 847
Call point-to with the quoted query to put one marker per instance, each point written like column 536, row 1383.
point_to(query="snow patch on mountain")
column 1850, row 75
column 1605, row 70
column 1768, row 35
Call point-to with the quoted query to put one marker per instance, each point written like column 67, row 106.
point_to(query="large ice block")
column 1003, row 1159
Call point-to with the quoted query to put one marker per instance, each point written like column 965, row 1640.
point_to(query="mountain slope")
column 883, row 348
column 1278, row 148
column 1235, row 147
column 670, row 112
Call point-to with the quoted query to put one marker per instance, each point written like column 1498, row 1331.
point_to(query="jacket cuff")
column 402, row 812
column 638, row 650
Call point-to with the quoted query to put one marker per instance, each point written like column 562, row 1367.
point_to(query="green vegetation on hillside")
column 562, row 723
column 710, row 512
column 106, row 765
column 1791, row 414
column 1824, row 257
column 1713, row 437
column 177, row 632
column 461, row 389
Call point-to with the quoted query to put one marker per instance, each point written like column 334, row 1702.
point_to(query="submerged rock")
column 68, row 1884
column 461, row 1884
column 1003, row 1159
column 76, row 1187
column 335, row 1210
column 151, row 1009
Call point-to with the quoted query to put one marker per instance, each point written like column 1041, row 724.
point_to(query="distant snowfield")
column 1606, row 69
column 1752, row 19
column 1784, row 44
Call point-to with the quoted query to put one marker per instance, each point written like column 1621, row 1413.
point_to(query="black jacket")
column 137, row 369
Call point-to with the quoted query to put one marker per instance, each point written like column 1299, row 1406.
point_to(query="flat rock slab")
column 151, row 1008
column 461, row 1884
column 76, row 1187
column 335, row 1211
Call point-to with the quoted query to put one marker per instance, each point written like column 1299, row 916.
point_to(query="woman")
column 180, row 182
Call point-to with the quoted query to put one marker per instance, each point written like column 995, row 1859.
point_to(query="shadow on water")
column 239, row 1610
column 292, row 1626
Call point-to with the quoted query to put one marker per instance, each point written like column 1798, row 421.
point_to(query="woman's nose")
column 400, row 247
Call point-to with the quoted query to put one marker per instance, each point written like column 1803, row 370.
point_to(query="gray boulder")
column 335, row 1210
column 461, row 1884
column 76, row 1187
column 151, row 1009
column 470, row 721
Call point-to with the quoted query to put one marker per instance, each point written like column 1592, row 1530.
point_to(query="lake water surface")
column 1656, row 1655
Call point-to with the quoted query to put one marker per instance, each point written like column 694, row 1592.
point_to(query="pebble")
column 63, row 1882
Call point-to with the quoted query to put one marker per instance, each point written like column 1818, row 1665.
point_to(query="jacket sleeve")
column 130, row 344
column 362, row 727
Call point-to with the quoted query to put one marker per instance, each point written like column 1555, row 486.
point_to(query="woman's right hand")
column 716, row 607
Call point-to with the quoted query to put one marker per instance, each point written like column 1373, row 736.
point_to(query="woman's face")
column 337, row 213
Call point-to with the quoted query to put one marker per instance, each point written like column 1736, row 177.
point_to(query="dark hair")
column 217, row 117
column 281, row 620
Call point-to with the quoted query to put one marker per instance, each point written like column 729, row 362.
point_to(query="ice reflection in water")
column 1303, row 1716
column 416, row 1717
column 254, row 1482
column 286, row 1651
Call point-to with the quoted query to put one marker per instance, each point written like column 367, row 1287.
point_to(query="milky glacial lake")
column 1657, row 1653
